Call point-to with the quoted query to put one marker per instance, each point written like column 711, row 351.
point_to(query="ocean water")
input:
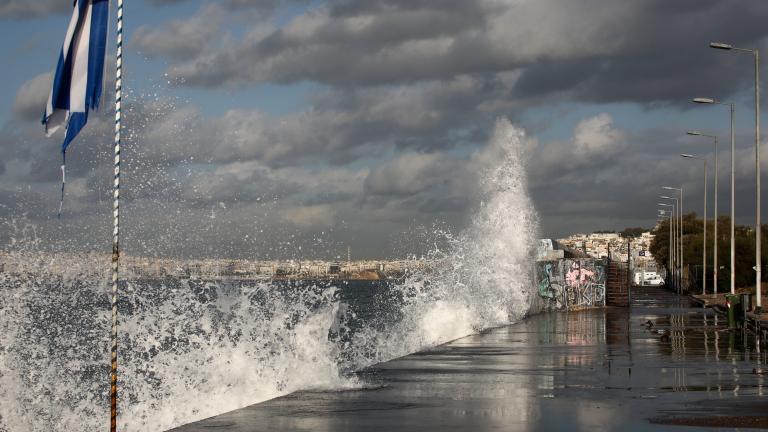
column 190, row 349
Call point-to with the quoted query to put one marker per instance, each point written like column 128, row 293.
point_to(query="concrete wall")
column 569, row 284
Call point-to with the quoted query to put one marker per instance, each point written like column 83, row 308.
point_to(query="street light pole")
column 704, row 249
column 733, row 202
column 732, row 109
column 714, row 247
column 670, row 248
column 672, row 244
column 676, row 247
column 671, row 262
column 679, row 205
column 758, row 223
column 680, row 236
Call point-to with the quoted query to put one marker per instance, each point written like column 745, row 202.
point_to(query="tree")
column 693, row 239
column 633, row 232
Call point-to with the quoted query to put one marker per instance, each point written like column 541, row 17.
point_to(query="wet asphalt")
column 658, row 365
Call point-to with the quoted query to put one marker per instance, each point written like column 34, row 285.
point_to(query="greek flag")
column 77, row 84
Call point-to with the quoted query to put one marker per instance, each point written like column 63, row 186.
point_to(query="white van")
column 648, row 278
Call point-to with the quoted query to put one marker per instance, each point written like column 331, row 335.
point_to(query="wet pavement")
column 590, row 370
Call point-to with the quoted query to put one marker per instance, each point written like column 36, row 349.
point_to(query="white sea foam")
column 190, row 350
column 484, row 278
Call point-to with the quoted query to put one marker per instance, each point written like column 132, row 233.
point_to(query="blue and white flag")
column 77, row 84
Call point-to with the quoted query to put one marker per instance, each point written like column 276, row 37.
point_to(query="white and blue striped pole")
column 116, row 213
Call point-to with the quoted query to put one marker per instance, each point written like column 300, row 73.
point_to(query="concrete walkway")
column 589, row 370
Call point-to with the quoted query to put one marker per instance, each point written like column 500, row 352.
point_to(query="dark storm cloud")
column 667, row 46
column 589, row 51
column 384, row 39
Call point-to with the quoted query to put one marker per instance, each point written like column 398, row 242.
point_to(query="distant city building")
column 605, row 245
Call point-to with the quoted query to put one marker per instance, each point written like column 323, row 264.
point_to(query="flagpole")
column 116, row 213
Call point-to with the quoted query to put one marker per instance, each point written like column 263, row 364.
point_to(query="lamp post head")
column 665, row 197
column 694, row 132
column 668, row 188
column 685, row 155
column 703, row 100
column 720, row 45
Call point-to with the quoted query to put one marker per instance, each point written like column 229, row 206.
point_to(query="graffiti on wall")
column 569, row 284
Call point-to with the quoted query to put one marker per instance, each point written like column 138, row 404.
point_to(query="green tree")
column 693, row 239
column 633, row 232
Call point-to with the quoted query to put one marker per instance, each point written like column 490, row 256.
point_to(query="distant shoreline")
column 366, row 276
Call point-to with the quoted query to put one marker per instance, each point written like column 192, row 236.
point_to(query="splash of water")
column 483, row 279
column 192, row 349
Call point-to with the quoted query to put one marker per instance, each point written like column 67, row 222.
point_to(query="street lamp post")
column 661, row 218
column 672, row 244
column 675, row 243
column 679, row 241
column 733, row 193
column 676, row 213
column 714, row 247
column 669, row 247
column 704, row 253
column 758, row 263
column 680, row 232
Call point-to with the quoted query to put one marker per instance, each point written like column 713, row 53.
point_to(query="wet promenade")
column 589, row 370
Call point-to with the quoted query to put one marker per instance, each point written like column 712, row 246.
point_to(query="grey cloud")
column 342, row 126
column 441, row 205
column 313, row 216
column 393, row 141
column 589, row 51
column 392, row 41
column 621, row 189
column 667, row 44
column 261, row 5
column 180, row 38
column 240, row 4
column 595, row 142
column 232, row 205
column 32, row 96
column 291, row 172
column 166, row 2
column 212, row 203
column 190, row 37
column 30, row 9
column 410, row 173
